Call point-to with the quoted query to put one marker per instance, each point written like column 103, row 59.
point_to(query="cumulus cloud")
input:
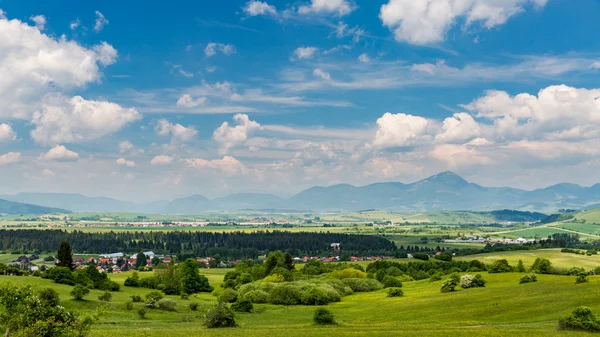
column 399, row 130
column 322, row 74
column 64, row 120
column 461, row 126
column 457, row 155
column 305, row 52
column 40, row 21
column 10, row 158
column 187, row 101
column 255, row 7
column 212, row 48
column 35, row 64
column 125, row 162
column 232, row 136
column 60, row 153
column 178, row 132
column 161, row 160
column 101, row 21
column 7, row 133
column 428, row 21
column 227, row 165
column 338, row 7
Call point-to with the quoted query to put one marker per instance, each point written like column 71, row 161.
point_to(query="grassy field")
column 502, row 308
column 558, row 259
column 584, row 228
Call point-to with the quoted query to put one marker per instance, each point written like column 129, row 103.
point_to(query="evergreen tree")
column 288, row 261
column 65, row 256
column 140, row 260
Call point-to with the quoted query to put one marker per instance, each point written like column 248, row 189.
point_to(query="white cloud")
column 40, row 21
column 63, row 120
column 305, row 52
column 48, row 173
column 233, row 136
column 35, row 64
column 455, row 155
column 161, row 160
column 364, row 58
column 101, row 21
column 178, row 132
column 461, row 126
column 7, row 133
column 11, row 157
column 60, row 153
column 74, row 24
column 322, row 74
column 2, row 14
column 177, row 69
column 255, row 7
column 428, row 21
column 399, row 130
column 187, row 101
column 338, row 7
column 212, row 48
column 126, row 146
column 125, row 162
column 227, row 165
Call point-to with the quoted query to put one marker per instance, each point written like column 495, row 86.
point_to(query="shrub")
column 228, row 296
column 391, row 282
column 79, row 292
column 395, row 292
column 450, row 284
column 256, row 296
column 499, row 266
column 185, row 296
column 520, row 267
column 133, row 280
column 436, row 277
column 581, row 319
column 136, row 298
column 581, row 278
column 470, row 281
column 166, row 304
column 49, row 297
column 528, row 278
column 478, row 281
column 193, row 306
column 62, row 275
column 242, row 306
column 314, row 296
column 445, row 256
column 542, row 266
column 348, row 273
column 420, row 256
column 393, row 271
column 220, row 317
column 129, row 305
column 323, row 317
column 109, row 285
column 362, row 285
column 105, row 296
column 276, row 278
column 285, row 294
column 154, row 295
column 142, row 313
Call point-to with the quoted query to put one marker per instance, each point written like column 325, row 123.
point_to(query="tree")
column 520, row 267
column 288, row 261
column 542, row 266
column 323, row 317
column 79, row 292
column 190, row 278
column 220, row 317
column 65, row 255
column 140, row 260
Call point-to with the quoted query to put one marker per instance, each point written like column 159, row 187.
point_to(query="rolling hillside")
column 11, row 207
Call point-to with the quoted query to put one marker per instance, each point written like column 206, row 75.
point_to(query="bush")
column 152, row 299
column 323, row 317
column 436, row 277
column 220, row 317
column 285, row 294
column 62, row 275
column 314, row 296
column 470, row 281
column 276, row 278
column 528, row 278
column 193, row 306
column 109, row 285
column 395, row 292
column 581, row 319
column 520, row 267
column 444, row 257
column 142, row 313
column 129, row 305
column 420, row 256
column 136, row 298
column 185, row 296
column 49, row 297
column 242, row 306
column 133, row 280
column 256, row 296
column 581, row 278
column 391, row 282
column 105, row 296
column 478, row 281
column 166, row 304
column 450, row 284
column 542, row 266
column 228, row 296
column 362, row 285
column 348, row 273
column 393, row 271
column 79, row 292
column 500, row 266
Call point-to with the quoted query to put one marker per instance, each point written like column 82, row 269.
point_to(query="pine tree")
column 289, row 261
column 65, row 255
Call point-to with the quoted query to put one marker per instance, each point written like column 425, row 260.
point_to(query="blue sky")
column 146, row 100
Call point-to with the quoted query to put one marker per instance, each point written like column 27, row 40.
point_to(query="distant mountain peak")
column 447, row 178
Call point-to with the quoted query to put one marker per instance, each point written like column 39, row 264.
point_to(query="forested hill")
column 237, row 245
column 10, row 207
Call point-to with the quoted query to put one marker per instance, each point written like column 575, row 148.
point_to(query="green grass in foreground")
column 503, row 308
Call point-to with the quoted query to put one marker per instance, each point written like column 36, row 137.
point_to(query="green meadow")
column 503, row 308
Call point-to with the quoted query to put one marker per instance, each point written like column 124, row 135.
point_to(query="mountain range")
column 11, row 207
column 443, row 191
